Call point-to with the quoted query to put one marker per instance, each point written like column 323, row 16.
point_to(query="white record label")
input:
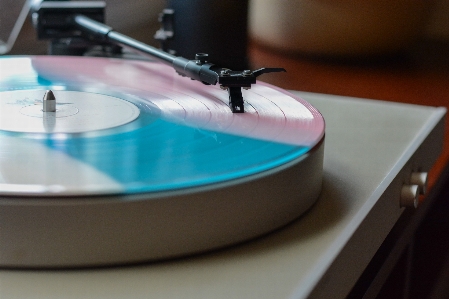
column 76, row 112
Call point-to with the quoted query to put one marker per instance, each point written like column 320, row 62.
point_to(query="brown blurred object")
column 339, row 27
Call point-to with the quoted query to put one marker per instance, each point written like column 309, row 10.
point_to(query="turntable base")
column 319, row 256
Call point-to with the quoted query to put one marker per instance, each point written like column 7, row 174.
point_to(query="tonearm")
column 85, row 19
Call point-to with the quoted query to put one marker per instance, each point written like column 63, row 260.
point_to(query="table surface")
column 361, row 164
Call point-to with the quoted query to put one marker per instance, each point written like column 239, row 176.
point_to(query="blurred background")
column 137, row 18
column 320, row 27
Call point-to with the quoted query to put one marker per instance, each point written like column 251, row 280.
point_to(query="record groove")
column 182, row 125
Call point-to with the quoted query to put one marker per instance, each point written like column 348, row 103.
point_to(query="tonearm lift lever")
column 67, row 19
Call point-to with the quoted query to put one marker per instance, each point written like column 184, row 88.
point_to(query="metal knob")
column 420, row 179
column 409, row 196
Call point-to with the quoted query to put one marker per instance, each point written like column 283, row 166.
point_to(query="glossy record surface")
column 185, row 135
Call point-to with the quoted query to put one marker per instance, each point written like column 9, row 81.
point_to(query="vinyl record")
column 131, row 127
column 137, row 163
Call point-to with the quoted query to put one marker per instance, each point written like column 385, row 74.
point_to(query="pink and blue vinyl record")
column 182, row 136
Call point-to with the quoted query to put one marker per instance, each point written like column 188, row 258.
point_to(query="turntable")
column 112, row 161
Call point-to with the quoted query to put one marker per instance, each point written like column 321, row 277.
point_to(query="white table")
column 371, row 149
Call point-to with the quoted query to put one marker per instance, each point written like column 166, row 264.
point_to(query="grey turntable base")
column 319, row 256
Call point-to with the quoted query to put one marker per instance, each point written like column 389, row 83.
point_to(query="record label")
column 76, row 112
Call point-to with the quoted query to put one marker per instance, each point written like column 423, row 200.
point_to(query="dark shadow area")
column 431, row 248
